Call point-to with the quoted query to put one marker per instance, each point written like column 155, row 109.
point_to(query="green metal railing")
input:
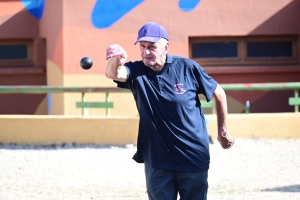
column 293, row 101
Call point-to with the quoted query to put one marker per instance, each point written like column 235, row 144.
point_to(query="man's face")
column 153, row 54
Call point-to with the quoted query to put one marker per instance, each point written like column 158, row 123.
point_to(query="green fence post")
column 296, row 97
column 106, row 100
column 83, row 110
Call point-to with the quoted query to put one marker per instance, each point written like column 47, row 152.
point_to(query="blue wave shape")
column 34, row 7
column 188, row 5
column 107, row 12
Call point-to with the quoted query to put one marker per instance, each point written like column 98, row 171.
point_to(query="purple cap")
column 152, row 32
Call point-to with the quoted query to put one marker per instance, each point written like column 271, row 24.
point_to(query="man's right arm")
column 225, row 139
column 115, row 68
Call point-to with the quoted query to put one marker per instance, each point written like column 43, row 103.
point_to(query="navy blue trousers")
column 167, row 184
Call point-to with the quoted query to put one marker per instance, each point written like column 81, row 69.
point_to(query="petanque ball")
column 86, row 63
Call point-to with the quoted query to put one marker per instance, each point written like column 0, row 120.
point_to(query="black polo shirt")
column 172, row 130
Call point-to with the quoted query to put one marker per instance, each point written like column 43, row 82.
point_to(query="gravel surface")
column 251, row 169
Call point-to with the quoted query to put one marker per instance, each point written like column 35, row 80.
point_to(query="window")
column 213, row 50
column 276, row 49
column 248, row 50
column 16, row 52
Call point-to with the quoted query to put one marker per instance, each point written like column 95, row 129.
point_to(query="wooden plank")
column 94, row 104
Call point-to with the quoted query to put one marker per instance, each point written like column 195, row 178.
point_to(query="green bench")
column 85, row 105
column 295, row 101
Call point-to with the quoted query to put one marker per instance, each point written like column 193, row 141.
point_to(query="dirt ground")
column 252, row 169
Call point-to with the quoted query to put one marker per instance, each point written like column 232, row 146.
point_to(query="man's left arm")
column 225, row 139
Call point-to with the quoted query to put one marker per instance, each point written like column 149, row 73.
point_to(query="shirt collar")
column 169, row 58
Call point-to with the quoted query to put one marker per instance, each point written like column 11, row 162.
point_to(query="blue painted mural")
column 106, row 13
column 188, row 5
column 34, row 7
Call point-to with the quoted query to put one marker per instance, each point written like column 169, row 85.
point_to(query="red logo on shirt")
column 179, row 89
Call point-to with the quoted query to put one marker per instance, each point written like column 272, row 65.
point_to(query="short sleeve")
column 131, row 71
column 206, row 84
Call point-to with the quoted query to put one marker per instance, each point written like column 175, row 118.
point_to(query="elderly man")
column 172, row 137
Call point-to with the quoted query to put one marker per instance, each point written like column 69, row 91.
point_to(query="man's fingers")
column 115, row 54
column 112, row 54
column 115, row 50
column 229, row 143
column 226, row 141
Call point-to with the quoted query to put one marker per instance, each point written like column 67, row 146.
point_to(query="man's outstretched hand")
column 226, row 140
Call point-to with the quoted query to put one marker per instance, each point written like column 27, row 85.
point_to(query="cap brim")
column 147, row 39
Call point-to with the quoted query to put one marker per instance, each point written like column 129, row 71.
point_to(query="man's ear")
column 166, row 48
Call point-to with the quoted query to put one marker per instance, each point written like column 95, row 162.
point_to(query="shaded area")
column 272, row 102
column 264, row 101
column 19, row 25
column 285, row 21
column 23, row 25
column 289, row 188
